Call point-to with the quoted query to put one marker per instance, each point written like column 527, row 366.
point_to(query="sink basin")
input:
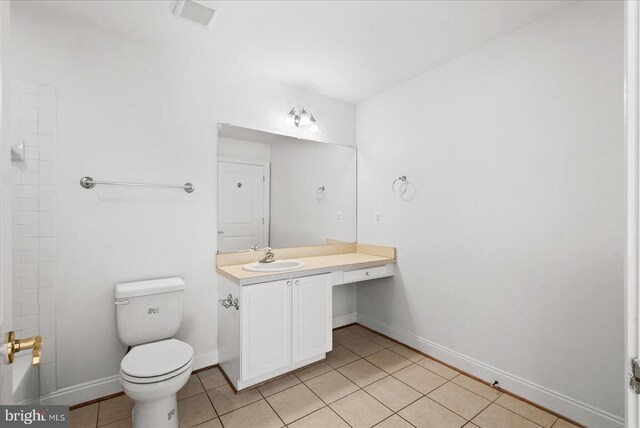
column 277, row 266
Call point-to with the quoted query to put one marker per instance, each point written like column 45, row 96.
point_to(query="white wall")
column 511, row 251
column 243, row 149
column 131, row 111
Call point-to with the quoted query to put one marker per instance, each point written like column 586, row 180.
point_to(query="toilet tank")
column 147, row 311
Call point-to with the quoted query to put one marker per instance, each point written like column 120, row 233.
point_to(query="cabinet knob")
column 367, row 273
column 297, row 282
column 289, row 283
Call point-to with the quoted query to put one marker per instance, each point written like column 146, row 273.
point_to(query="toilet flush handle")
column 122, row 302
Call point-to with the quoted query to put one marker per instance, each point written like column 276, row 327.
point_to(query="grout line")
column 325, row 405
column 208, row 397
column 269, row 404
column 282, row 390
column 336, row 369
column 503, row 391
column 462, row 416
column 97, row 400
column 520, row 414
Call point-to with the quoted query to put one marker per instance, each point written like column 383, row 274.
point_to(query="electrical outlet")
column 377, row 218
column 339, row 217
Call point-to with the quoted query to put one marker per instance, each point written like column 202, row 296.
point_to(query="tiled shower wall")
column 33, row 113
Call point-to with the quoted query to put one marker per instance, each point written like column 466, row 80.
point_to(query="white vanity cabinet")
column 275, row 327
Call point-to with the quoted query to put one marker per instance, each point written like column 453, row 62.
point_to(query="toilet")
column 148, row 315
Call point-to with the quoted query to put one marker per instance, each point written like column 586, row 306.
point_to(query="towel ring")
column 403, row 183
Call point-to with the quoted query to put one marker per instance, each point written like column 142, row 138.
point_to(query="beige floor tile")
column 479, row 388
column 380, row 340
column 256, row 415
column 496, row 416
column 388, row 361
column 359, row 330
column 426, row 413
column 527, row 410
column 195, row 410
column 471, row 425
column 295, row 403
column 438, row 368
column 114, row 409
column 361, row 410
column 362, row 346
column 212, row 378
column 419, row 378
column 460, row 400
column 213, row 423
column 344, row 335
column 394, row 421
column 278, row 385
column 313, row 371
column 323, row 418
column 409, row 354
column 193, row 387
column 122, row 423
column 225, row 400
column 83, row 417
column 362, row 373
column 340, row 356
column 561, row 423
column 393, row 393
column 331, row 386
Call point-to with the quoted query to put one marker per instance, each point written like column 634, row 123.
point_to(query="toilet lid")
column 156, row 358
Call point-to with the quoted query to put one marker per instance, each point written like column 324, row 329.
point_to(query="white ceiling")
column 349, row 50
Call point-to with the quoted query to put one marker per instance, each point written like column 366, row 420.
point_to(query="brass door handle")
column 16, row 345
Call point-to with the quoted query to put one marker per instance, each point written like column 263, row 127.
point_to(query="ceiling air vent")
column 201, row 12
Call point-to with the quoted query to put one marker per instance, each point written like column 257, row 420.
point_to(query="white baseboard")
column 555, row 401
column 99, row 388
column 205, row 360
column 345, row 319
column 83, row 392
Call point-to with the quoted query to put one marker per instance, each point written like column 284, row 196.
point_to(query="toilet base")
column 161, row 413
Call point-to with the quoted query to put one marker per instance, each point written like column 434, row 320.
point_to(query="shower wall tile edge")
column 33, row 121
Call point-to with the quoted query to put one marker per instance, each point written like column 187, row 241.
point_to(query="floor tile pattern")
column 366, row 381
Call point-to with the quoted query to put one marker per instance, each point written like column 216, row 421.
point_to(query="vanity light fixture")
column 302, row 119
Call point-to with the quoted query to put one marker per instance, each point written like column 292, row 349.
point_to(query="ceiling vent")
column 201, row 12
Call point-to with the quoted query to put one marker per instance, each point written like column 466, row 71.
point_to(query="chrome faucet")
column 269, row 257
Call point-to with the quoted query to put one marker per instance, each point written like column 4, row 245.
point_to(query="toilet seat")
column 156, row 361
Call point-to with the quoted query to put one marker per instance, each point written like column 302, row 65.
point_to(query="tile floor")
column 367, row 380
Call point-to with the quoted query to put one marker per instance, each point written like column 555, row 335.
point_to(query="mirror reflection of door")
column 243, row 204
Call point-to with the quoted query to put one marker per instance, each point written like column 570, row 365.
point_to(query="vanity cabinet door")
column 312, row 316
column 266, row 328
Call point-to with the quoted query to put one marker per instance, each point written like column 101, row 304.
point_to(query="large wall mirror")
column 278, row 191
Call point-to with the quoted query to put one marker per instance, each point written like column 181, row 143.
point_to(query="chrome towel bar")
column 89, row 183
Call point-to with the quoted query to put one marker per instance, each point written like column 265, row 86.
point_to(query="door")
column 312, row 316
column 6, row 373
column 243, row 201
column 266, row 328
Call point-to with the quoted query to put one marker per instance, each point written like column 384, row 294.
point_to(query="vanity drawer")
column 369, row 273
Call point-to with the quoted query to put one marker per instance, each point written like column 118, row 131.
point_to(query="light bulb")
column 305, row 119
column 290, row 120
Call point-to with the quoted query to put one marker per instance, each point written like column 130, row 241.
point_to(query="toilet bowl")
column 149, row 314
column 151, row 375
